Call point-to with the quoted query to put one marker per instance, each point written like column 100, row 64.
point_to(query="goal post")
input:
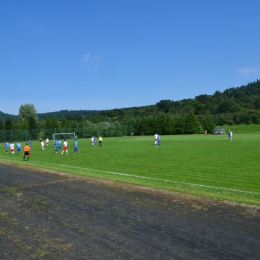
column 57, row 136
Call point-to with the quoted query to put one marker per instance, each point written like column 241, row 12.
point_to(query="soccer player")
column 59, row 144
column 230, row 135
column 75, row 146
column 55, row 146
column 65, row 147
column 26, row 149
column 155, row 139
column 100, row 140
column 30, row 143
column 12, row 148
column 18, row 147
column 47, row 141
column 42, row 145
column 6, row 147
column 158, row 140
column 94, row 141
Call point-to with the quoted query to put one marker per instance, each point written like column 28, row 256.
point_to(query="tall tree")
column 51, row 122
column 1, row 124
column 26, row 111
column 63, row 122
column 165, row 105
column 8, row 124
column 179, row 124
column 164, row 124
column 208, row 123
column 32, row 123
column 192, row 125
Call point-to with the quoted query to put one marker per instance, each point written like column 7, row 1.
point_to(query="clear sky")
column 106, row 54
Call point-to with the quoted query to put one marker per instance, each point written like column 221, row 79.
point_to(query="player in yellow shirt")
column 100, row 140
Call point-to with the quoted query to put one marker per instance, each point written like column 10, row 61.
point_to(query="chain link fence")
column 83, row 132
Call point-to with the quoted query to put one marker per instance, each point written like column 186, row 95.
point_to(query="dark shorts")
column 26, row 153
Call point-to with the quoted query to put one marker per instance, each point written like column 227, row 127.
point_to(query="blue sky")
column 105, row 54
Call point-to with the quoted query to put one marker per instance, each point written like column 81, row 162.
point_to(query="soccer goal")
column 219, row 131
column 58, row 136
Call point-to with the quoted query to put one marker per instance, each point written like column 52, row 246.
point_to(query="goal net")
column 58, row 136
column 219, row 131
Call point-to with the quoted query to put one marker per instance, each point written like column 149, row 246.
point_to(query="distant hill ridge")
column 230, row 100
column 57, row 114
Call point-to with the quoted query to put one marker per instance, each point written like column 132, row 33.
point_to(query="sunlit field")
column 210, row 166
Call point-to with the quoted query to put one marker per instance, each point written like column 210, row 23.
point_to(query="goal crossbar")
column 63, row 136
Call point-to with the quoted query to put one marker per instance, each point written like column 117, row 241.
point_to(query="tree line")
column 234, row 106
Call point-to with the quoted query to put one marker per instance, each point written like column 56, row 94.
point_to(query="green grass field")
column 210, row 166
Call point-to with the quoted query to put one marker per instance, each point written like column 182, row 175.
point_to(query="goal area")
column 58, row 136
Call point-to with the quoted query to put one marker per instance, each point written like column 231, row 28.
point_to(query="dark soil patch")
column 48, row 215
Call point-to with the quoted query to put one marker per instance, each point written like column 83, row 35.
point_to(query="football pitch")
column 210, row 166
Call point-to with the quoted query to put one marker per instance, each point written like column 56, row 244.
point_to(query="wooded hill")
column 240, row 105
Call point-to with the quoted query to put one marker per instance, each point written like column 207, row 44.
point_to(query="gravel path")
column 50, row 215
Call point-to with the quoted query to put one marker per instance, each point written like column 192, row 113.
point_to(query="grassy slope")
column 242, row 129
column 204, row 165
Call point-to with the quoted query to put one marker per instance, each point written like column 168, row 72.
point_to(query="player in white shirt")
column 12, row 148
column 65, row 147
column 230, row 135
column 156, row 139
column 42, row 145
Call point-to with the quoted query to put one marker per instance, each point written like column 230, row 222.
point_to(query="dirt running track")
column 47, row 215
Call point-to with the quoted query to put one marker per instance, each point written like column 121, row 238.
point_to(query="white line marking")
column 153, row 179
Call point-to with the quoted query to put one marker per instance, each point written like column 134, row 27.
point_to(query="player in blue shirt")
column 94, row 140
column 76, row 146
column 158, row 140
column 18, row 147
column 6, row 147
column 59, row 144
column 55, row 146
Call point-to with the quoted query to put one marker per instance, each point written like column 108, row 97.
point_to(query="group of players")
column 18, row 146
column 57, row 146
column 94, row 140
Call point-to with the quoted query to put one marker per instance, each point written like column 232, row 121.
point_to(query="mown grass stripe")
column 164, row 180
column 197, row 164
column 152, row 179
